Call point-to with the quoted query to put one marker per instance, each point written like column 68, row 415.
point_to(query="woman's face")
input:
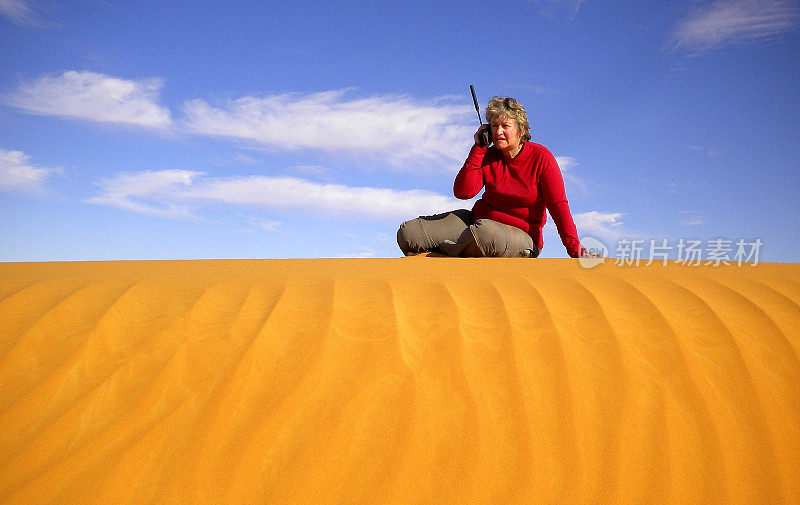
column 505, row 133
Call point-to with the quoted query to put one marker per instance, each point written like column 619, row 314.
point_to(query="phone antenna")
column 475, row 101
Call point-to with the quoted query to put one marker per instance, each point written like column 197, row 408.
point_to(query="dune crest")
column 418, row 380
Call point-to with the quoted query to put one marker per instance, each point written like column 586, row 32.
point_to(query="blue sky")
column 182, row 130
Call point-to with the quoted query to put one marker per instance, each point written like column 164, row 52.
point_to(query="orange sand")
column 415, row 380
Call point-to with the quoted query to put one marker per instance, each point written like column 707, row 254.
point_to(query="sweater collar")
column 516, row 155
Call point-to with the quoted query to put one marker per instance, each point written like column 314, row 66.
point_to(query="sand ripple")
column 417, row 380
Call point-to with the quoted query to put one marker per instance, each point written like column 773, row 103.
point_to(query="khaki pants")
column 456, row 234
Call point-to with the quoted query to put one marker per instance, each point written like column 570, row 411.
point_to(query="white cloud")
column 176, row 192
column 694, row 221
column 95, row 97
column 708, row 152
column 269, row 225
column 315, row 170
column 16, row 175
column 726, row 21
column 396, row 128
column 245, row 159
column 153, row 193
column 259, row 224
column 600, row 225
column 566, row 164
column 18, row 11
column 603, row 226
column 362, row 254
column 553, row 7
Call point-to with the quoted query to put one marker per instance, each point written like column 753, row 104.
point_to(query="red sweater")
column 518, row 191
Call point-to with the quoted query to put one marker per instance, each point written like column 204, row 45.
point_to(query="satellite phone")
column 484, row 137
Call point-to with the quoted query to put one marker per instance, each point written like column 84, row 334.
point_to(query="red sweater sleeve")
column 551, row 185
column 469, row 180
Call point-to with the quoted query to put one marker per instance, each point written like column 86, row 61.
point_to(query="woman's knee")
column 489, row 237
column 497, row 239
column 428, row 232
column 411, row 237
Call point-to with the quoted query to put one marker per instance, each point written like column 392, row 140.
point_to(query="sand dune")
column 414, row 380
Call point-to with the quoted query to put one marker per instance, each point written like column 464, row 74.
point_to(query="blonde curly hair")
column 502, row 107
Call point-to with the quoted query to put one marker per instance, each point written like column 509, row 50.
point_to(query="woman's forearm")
column 562, row 217
column 469, row 180
column 552, row 187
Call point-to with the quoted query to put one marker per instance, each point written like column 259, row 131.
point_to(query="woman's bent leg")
column 490, row 238
column 426, row 233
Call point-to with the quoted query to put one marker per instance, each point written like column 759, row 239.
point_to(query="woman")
column 521, row 180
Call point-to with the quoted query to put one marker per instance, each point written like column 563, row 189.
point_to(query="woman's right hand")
column 477, row 134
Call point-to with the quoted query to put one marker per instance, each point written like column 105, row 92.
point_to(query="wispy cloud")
column 268, row 225
column 708, row 152
column 404, row 131
column 727, row 21
column 20, row 12
column 567, row 164
column 313, row 170
column 94, row 97
column 607, row 227
column 694, row 221
column 362, row 254
column 396, row 128
column 17, row 175
column 245, row 159
column 153, row 193
column 600, row 225
column 552, row 8
column 177, row 193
